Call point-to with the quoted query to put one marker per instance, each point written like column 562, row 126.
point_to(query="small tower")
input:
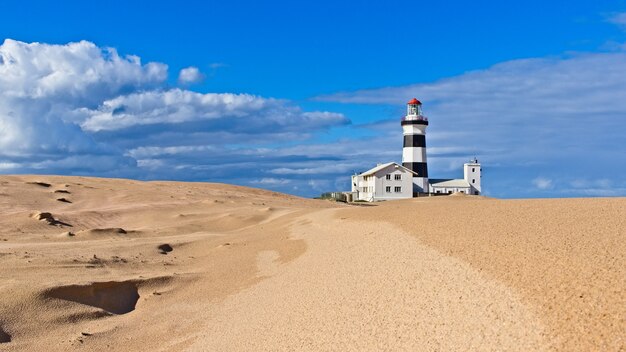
column 472, row 174
column 414, row 148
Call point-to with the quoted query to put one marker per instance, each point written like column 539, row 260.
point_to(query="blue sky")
column 295, row 96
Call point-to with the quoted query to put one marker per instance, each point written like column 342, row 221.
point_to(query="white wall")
column 376, row 184
column 414, row 154
column 414, row 129
column 443, row 190
column 406, row 184
column 364, row 188
column 472, row 174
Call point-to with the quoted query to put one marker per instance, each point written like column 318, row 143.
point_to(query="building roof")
column 449, row 183
column 414, row 101
column 382, row 166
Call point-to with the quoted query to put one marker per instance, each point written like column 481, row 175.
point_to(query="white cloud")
column 235, row 111
column 519, row 87
column 190, row 75
column 317, row 169
column 8, row 166
column 74, row 73
column 216, row 65
column 564, row 115
column 145, row 152
column 80, row 109
column 321, row 185
column 542, row 183
column 42, row 84
column 602, row 183
column 618, row 19
column 271, row 181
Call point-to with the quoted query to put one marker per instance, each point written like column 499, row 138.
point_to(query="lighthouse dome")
column 414, row 102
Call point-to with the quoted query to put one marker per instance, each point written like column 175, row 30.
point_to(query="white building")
column 384, row 182
column 469, row 184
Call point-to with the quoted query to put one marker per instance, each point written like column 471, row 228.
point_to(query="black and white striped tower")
column 414, row 149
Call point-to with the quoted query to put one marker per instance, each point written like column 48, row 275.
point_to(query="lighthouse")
column 414, row 149
column 394, row 181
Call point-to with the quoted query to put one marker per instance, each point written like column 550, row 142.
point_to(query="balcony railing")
column 414, row 118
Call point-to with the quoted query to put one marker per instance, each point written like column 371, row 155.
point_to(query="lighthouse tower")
column 414, row 149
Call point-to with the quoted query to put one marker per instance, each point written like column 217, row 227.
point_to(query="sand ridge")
column 565, row 257
column 119, row 232
column 172, row 266
column 371, row 288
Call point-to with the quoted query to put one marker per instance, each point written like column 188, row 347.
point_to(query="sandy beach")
column 100, row 264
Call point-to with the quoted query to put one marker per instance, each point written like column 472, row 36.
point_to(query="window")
column 397, row 177
column 473, row 169
column 438, row 191
column 388, row 177
column 473, row 180
column 388, row 188
column 476, row 192
column 449, row 192
column 397, row 189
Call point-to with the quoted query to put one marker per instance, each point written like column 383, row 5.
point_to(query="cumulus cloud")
column 77, row 108
column 176, row 106
column 76, row 73
column 43, row 84
column 80, row 109
column 190, row 75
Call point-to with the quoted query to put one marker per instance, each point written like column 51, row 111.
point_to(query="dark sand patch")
column 4, row 336
column 41, row 184
column 83, row 316
column 112, row 296
column 48, row 218
column 42, row 215
column 104, row 231
column 165, row 248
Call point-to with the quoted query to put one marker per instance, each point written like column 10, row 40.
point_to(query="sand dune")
column 168, row 266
